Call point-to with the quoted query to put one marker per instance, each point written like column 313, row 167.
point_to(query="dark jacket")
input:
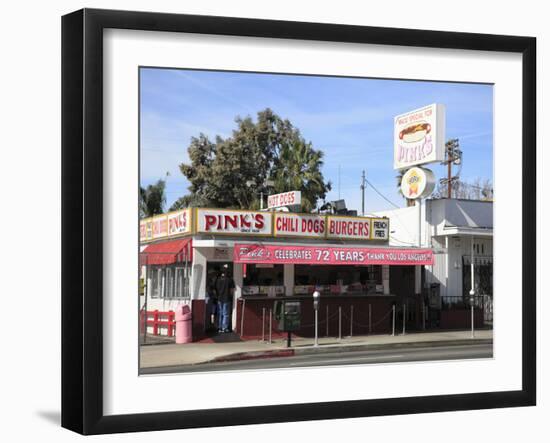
column 224, row 286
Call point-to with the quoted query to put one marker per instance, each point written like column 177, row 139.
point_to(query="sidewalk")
column 196, row 353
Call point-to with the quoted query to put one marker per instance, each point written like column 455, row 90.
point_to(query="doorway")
column 213, row 272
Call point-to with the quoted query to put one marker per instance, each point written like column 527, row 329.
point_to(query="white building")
column 450, row 227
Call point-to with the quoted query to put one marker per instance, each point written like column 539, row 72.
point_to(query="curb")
column 289, row 352
column 253, row 355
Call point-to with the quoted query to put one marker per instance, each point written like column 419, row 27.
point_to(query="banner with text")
column 314, row 255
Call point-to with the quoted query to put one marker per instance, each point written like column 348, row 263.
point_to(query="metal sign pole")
column 270, row 323
column 393, row 321
column 327, row 320
column 263, row 324
column 316, row 327
column 351, row 322
column 339, row 322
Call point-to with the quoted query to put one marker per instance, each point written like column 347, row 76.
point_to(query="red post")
column 155, row 322
column 171, row 323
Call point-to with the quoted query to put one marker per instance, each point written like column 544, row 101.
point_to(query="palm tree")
column 298, row 168
column 152, row 199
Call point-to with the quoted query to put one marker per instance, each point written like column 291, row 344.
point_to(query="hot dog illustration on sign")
column 419, row 136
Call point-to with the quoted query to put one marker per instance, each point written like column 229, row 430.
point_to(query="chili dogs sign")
column 227, row 221
column 419, row 137
column 312, row 255
column 299, row 225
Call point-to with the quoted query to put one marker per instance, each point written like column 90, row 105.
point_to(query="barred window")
column 156, row 281
column 171, row 282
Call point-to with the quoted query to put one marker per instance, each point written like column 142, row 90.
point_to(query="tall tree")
column 232, row 172
column 298, row 167
column 152, row 199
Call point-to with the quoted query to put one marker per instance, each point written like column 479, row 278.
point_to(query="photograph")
column 303, row 221
column 256, row 222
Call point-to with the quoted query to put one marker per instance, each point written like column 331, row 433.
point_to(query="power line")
column 402, row 241
column 381, row 195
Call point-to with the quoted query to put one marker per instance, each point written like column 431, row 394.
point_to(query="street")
column 359, row 357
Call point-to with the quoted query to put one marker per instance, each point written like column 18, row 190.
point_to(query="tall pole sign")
column 419, row 139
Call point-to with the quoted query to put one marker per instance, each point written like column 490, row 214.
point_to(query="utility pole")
column 449, row 176
column 363, row 193
column 453, row 155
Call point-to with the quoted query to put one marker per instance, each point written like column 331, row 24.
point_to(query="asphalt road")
column 362, row 357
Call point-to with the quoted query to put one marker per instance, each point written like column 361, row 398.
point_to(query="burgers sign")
column 419, row 137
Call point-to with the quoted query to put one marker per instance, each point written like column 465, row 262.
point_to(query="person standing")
column 211, row 305
column 225, row 288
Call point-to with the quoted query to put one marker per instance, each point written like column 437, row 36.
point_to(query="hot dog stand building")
column 279, row 255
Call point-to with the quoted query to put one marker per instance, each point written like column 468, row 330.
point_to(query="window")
column 169, row 291
column 156, row 281
column 170, row 282
column 264, row 275
column 332, row 274
column 181, row 283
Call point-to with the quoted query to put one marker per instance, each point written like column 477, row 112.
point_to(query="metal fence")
column 484, row 302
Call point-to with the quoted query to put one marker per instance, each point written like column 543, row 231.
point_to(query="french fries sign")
column 419, row 137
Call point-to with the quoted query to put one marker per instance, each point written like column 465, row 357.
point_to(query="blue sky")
column 349, row 119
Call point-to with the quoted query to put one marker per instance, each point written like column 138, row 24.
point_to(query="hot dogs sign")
column 419, row 137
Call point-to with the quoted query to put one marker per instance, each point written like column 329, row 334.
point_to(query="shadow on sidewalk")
column 228, row 337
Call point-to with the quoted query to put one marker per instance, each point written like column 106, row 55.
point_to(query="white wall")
column 403, row 225
column 30, row 111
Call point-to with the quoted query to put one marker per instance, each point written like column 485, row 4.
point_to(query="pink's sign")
column 419, row 137
column 330, row 255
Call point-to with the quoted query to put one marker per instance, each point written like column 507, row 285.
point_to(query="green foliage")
column 298, row 167
column 152, row 199
column 231, row 173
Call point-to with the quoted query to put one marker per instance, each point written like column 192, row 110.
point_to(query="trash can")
column 183, row 325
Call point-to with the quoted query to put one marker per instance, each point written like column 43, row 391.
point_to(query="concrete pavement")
column 196, row 353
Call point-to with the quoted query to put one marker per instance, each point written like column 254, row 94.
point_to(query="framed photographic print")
column 269, row 221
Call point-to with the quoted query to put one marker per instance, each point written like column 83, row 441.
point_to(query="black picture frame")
column 82, row 218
